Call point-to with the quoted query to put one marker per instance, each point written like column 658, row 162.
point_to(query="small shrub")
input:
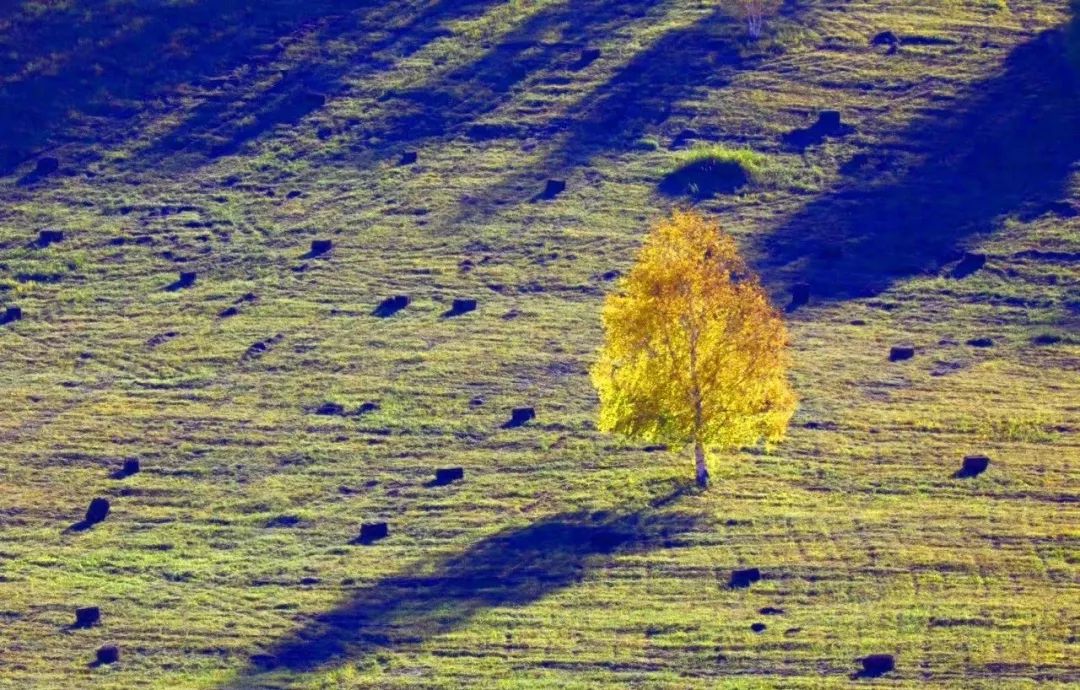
column 705, row 171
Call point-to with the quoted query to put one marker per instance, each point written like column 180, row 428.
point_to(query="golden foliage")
column 694, row 352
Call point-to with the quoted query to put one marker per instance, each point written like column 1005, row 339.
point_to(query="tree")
column 755, row 12
column 694, row 353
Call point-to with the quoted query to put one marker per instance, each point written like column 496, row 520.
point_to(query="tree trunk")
column 702, row 470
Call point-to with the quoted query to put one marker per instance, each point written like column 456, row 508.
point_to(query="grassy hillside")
column 224, row 137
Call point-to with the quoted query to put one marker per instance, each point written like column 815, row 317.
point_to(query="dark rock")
column 758, row 627
column 588, row 56
column 330, row 409
column 1044, row 339
column 829, row 124
column 11, row 315
column 97, row 511
column 771, row 611
column 877, row 665
column 87, row 617
column 228, row 312
column 744, row 578
column 130, row 467
column 900, row 353
column 448, row 475
column 973, row 466
column 981, row 342
column 519, row 417
column 186, row 280
column 553, row 189
column 885, row 38
column 459, row 307
column 294, row 193
column 408, row 158
column 800, row 296
column 476, row 402
column 968, row 265
column 367, row 407
column 372, row 532
column 320, row 247
column 283, row 521
column 390, row 306
column 109, row 654
column 47, row 237
column 46, row 165
column 1063, row 209
column 683, row 138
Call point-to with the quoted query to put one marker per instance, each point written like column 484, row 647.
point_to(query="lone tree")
column 754, row 12
column 694, row 353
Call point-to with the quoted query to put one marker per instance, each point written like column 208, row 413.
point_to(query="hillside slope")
column 222, row 138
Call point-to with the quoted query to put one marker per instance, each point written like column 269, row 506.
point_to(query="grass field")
column 224, row 137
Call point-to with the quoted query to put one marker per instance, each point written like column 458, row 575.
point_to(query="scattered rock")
column 476, row 402
column 87, row 617
column 161, row 339
column 130, row 467
column 553, row 189
column 46, row 165
column 283, row 521
column 97, row 511
column 885, row 38
column 1044, row 339
column 320, row 247
column 683, row 138
column 744, row 578
column 968, row 265
column 228, row 312
column 758, row 627
column 367, row 407
column 109, row 654
column 973, row 466
column 390, row 306
column 877, row 665
column 408, row 158
column 899, row 353
column 47, row 237
column 11, row 315
column 294, row 193
column 1063, row 209
column 800, row 296
column 261, row 348
column 330, row 409
column 829, row 124
column 588, row 56
column 519, row 417
column 186, row 280
column 459, row 307
column 981, row 342
column 372, row 532
column 771, row 611
column 448, row 475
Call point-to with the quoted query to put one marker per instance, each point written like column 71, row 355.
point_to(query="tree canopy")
column 694, row 352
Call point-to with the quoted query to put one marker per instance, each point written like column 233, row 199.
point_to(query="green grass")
column 864, row 537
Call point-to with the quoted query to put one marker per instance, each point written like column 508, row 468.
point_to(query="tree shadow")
column 639, row 98
column 515, row 567
column 109, row 60
column 455, row 101
column 1009, row 149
